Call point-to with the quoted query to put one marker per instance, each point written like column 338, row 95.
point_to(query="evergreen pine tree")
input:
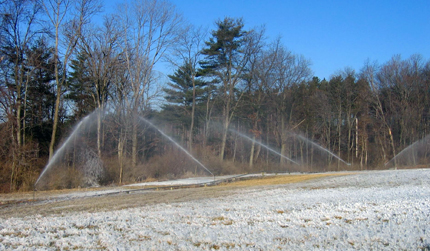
column 179, row 95
column 226, row 56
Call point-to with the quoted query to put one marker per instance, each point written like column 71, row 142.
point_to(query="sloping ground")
column 135, row 195
column 269, row 180
column 372, row 210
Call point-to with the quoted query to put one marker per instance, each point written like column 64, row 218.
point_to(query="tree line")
column 231, row 94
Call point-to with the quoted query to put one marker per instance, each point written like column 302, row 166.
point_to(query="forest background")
column 57, row 66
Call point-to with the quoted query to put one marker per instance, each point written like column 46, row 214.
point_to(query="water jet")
column 176, row 143
column 415, row 154
column 321, row 148
column 263, row 145
column 61, row 150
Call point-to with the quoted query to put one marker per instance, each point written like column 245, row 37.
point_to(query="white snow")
column 188, row 181
column 366, row 211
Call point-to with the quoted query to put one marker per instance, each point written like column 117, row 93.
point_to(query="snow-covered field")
column 188, row 181
column 367, row 211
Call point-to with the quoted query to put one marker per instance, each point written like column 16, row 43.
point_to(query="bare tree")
column 369, row 73
column 188, row 53
column 261, row 81
column 67, row 18
column 289, row 69
column 103, row 58
column 150, row 28
column 20, row 28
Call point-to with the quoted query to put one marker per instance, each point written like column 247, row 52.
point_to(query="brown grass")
column 24, row 196
column 282, row 179
column 254, row 181
column 14, row 208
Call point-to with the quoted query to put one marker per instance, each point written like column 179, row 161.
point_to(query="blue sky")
column 332, row 34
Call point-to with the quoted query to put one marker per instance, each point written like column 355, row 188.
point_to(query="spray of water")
column 322, row 148
column 405, row 150
column 60, row 150
column 263, row 145
column 179, row 146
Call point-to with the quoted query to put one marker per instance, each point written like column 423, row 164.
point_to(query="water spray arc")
column 263, row 145
column 63, row 146
column 322, row 148
column 176, row 143
column 419, row 144
column 401, row 152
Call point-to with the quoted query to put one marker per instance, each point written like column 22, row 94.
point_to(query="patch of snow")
column 369, row 210
column 180, row 182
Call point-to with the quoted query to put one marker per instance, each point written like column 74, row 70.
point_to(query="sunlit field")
column 367, row 210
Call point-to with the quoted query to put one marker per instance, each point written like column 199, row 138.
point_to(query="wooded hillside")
column 57, row 66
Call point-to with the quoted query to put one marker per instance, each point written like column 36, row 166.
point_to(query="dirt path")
column 110, row 202
column 46, row 203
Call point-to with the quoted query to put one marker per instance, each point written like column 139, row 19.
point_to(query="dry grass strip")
column 281, row 179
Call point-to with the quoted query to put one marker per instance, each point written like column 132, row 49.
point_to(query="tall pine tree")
column 185, row 91
column 226, row 57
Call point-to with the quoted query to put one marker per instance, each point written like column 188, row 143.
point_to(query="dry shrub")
column 31, row 174
column 28, row 180
column 171, row 165
column 26, row 175
column 188, row 174
column 213, row 163
column 273, row 167
column 258, row 167
column 5, row 187
column 60, row 178
column 5, row 172
column 112, row 170
column 157, row 168
column 225, row 167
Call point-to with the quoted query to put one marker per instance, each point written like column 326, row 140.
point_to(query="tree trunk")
column 121, row 156
column 328, row 138
column 235, row 148
column 392, row 146
column 283, row 141
column 257, row 154
column 312, row 151
column 134, row 144
column 226, row 113
column 58, row 97
column 384, row 156
column 356, row 137
column 55, row 124
column 14, row 166
column 224, row 139
column 339, row 135
column 362, row 154
column 193, row 108
column 251, row 153
column 283, row 152
column 365, row 159
column 267, row 140
column 207, row 121
column 18, row 147
column 99, row 130
column 350, row 143
column 301, row 144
